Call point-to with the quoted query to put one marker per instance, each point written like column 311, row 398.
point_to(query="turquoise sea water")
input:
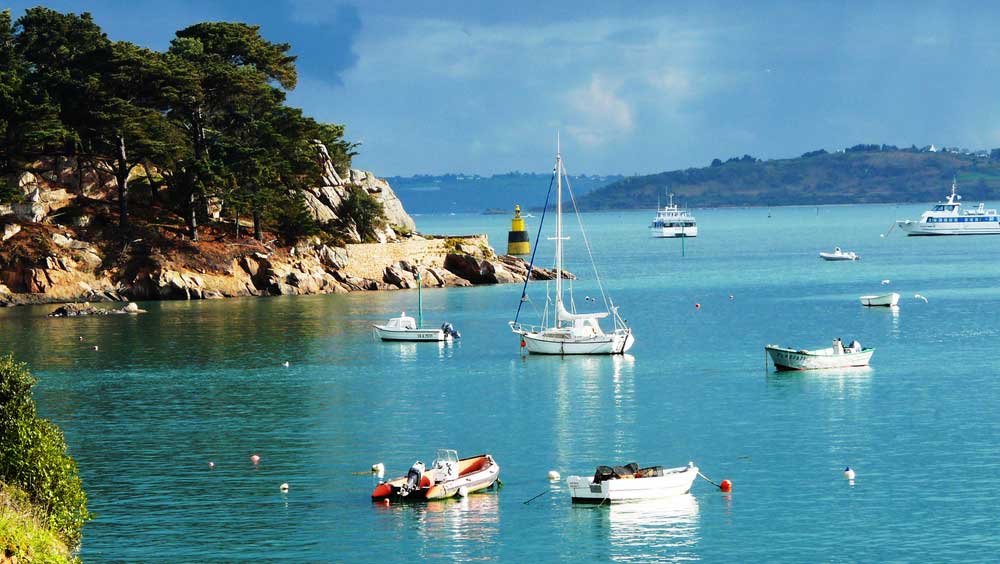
column 193, row 382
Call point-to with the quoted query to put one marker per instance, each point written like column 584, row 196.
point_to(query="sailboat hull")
column 616, row 343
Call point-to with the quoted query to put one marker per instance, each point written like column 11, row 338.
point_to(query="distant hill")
column 461, row 193
column 860, row 174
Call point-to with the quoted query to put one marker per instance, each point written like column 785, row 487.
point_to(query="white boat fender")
column 463, row 491
column 378, row 470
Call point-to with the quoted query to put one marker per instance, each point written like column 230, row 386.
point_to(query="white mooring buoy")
column 553, row 475
column 283, row 487
column 849, row 473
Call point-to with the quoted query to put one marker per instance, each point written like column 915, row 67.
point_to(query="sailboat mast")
column 558, row 228
column 420, row 303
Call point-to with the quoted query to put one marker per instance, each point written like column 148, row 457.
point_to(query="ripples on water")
column 203, row 381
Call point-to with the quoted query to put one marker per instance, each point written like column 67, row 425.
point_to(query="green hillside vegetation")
column 42, row 503
column 860, row 174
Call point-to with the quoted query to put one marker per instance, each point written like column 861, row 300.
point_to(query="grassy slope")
column 23, row 534
column 835, row 178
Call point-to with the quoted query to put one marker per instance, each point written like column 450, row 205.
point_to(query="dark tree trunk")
column 192, row 218
column 121, row 176
column 154, row 187
column 258, row 230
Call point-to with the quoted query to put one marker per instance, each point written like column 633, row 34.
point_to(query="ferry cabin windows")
column 961, row 219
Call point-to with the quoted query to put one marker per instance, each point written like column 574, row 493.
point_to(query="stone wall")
column 368, row 260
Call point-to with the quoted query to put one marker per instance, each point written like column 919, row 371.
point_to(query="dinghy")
column 631, row 483
column 884, row 300
column 836, row 356
column 448, row 476
column 838, row 254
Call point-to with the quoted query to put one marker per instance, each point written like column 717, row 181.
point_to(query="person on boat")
column 838, row 346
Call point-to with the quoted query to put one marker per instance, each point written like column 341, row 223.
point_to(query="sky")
column 631, row 87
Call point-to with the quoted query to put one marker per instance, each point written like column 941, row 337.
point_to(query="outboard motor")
column 449, row 331
column 413, row 478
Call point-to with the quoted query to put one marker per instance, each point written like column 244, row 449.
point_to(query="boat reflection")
column 452, row 529
column 408, row 352
column 838, row 383
column 661, row 530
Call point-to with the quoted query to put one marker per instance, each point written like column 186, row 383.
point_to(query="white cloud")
column 599, row 112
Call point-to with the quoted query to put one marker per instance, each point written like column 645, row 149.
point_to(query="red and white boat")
column 448, row 476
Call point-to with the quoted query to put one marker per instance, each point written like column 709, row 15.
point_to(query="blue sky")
column 450, row 86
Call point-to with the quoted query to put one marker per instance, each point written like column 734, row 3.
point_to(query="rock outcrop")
column 326, row 198
column 53, row 248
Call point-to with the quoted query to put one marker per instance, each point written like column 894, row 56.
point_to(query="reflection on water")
column 661, row 530
column 838, row 383
column 456, row 529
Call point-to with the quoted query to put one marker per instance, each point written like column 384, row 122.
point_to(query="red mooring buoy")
column 523, row 344
column 697, row 306
column 726, row 486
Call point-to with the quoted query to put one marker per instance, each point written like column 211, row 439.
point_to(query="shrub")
column 365, row 211
column 33, row 455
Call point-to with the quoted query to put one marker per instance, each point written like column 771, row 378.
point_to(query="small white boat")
column 671, row 222
column 884, row 300
column 448, row 476
column 836, row 356
column 631, row 483
column 405, row 328
column 838, row 254
column 946, row 219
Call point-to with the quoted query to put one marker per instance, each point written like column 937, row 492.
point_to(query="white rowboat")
column 648, row 483
column 884, row 300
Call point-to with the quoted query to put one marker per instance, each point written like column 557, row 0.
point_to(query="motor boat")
column 836, row 356
column 945, row 218
column 448, row 476
column 838, row 254
column 631, row 483
column 671, row 221
column 405, row 328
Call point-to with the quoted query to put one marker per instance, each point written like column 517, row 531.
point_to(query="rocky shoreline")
column 59, row 244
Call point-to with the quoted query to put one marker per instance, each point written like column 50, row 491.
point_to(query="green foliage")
column 364, row 211
column 293, row 219
column 866, row 174
column 209, row 113
column 34, row 457
column 22, row 531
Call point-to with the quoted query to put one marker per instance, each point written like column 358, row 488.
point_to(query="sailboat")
column 405, row 328
column 571, row 332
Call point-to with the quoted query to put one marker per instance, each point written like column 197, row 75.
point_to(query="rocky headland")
column 59, row 244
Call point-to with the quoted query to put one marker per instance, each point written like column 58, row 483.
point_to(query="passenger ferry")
column 946, row 219
column 670, row 221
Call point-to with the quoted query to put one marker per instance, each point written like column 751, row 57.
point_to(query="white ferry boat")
column 670, row 221
column 946, row 219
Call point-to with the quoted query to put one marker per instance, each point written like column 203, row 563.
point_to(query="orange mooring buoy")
column 726, row 486
column 523, row 344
